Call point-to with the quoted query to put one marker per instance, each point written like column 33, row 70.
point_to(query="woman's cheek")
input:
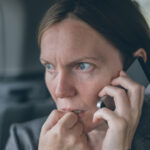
column 91, row 89
column 49, row 84
column 47, row 80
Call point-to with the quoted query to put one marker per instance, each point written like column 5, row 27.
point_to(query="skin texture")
column 81, row 66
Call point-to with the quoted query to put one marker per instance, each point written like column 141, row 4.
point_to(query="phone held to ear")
column 138, row 72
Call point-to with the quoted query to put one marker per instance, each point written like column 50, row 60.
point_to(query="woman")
column 85, row 46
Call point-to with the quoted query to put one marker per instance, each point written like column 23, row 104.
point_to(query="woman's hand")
column 63, row 132
column 122, row 122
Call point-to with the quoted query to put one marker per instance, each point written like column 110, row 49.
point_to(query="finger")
column 111, row 117
column 135, row 90
column 120, row 98
column 68, row 120
column 77, row 129
column 52, row 119
column 98, row 115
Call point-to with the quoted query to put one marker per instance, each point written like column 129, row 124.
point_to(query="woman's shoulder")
column 145, row 116
column 25, row 135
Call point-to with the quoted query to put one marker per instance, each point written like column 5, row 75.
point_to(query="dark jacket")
column 25, row 136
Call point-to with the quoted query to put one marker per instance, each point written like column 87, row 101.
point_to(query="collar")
column 147, row 90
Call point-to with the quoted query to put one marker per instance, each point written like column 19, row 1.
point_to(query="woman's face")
column 79, row 63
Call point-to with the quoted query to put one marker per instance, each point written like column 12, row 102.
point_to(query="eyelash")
column 85, row 63
column 46, row 66
column 77, row 67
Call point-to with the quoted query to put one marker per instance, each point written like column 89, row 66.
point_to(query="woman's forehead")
column 72, row 28
column 74, row 37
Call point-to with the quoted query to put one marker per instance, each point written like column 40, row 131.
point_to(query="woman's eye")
column 84, row 66
column 49, row 67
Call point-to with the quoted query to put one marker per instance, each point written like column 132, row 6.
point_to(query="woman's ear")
column 141, row 52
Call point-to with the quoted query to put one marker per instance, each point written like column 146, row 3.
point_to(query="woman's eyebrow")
column 87, row 58
column 99, row 58
column 43, row 61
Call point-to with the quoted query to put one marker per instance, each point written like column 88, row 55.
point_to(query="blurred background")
column 23, row 95
column 145, row 8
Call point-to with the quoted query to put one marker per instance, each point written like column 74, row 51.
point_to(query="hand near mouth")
column 63, row 131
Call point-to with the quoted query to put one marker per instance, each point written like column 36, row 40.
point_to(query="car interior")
column 23, row 94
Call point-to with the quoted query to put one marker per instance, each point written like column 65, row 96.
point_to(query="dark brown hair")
column 119, row 21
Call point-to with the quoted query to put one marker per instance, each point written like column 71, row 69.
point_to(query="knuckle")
column 54, row 112
column 121, row 92
column 55, row 135
column 137, row 87
column 71, row 114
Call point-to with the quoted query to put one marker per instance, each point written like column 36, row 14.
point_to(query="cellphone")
column 138, row 72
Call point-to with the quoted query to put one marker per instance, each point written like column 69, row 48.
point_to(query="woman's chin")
column 86, row 119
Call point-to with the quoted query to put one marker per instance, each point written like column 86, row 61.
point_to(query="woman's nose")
column 64, row 87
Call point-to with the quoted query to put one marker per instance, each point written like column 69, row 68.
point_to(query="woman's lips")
column 78, row 112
